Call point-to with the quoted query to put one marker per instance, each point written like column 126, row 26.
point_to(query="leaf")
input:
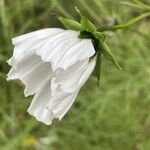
column 85, row 22
column 98, row 67
column 70, row 24
column 108, row 54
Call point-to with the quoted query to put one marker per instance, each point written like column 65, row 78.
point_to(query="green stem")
column 147, row 7
column 131, row 4
column 126, row 25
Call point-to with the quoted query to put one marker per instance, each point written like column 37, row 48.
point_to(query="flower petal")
column 35, row 35
column 28, row 43
column 60, row 101
column 46, row 107
column 32, row 72
column 75, row 76
column 35, row 78
column 46, row 52
column 40, row 100
column 21, row 67
column 82, row 50
column 54, row 45
column 62, row 108
column 87, row 72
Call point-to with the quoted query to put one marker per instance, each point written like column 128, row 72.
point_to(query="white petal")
column 54, row 45
column 21, row 67
column 49, row 48
column 62, row 108
column 88, row 71
column 32, row 72
column 46, row 107
column 60, row 101
column 75, row 76
column 35, row 78
column 40, row 100
column 29, row 43
column 68, row 79
column 36, row 34
column 78, row 52
column 65, row 44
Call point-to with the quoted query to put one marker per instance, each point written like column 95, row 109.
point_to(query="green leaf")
column 70, row 24
column 98, row 67
column 85, row 22
column 108, row 54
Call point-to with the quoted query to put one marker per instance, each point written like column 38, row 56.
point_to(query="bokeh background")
column 114, row 117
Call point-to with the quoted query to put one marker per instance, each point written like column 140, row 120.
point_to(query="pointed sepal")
column 98, row 67
column 85, row 22
column 100, row 36
column 70, row 24
column 108, row 54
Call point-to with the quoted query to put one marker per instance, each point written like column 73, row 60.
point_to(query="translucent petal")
column 62, row 108
column 46, row 107
column 36, row 34
column 32, row 72
column 28, row 43
column 87, row 72
column 75, row 76
column 54, row 45
column 46, row 52
column 40, row 100
column 20, row 68
column 35, row 78
column 80, row 51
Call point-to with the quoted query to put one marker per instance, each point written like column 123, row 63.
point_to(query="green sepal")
column 100, row 36
column 85, row 22
column 98, row 67
column 70, row 24
column 89, row 35
column 108, row 54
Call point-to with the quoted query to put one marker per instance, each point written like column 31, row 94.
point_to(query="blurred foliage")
column 116, row 117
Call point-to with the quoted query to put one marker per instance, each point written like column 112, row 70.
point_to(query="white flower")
column 53, row 64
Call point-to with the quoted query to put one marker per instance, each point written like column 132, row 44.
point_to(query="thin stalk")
column 131, row 4
column 126, row 25
column 62, row 9
column 144, row 6
column 90, row 11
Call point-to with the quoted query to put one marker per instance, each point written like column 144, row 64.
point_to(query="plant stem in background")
column 126, row 25
column 142, row 5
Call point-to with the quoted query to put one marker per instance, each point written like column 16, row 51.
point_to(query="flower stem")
column 126, row 25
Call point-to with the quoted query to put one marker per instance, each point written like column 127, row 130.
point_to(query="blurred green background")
column 116, row 117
